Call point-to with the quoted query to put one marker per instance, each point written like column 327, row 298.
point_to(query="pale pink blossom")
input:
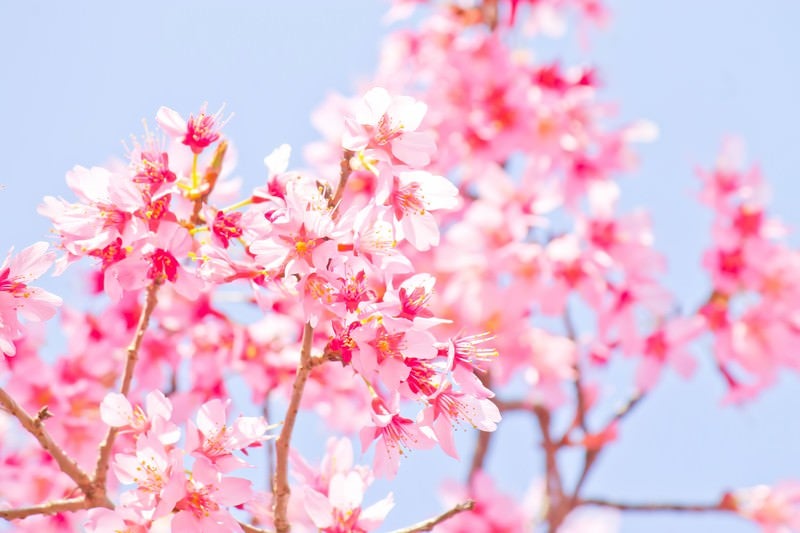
column 381, row 119
column 18, row 297
column 395, row 435
column 117, row 411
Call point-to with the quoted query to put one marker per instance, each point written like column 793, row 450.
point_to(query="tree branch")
column 344, row 174
column 104, row 454
column 591, row 455
column 35, row 427
column 48, row 508
column 679, row 507
column 247, row 528
column 280, row 485
column 429, row 524
column 558, row 508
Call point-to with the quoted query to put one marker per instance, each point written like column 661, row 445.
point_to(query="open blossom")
column 213, row 439
column 449, row 407
column 149, row 468
column 18, row 297
column 381, row 119
column 340, row 510
column 116, row 411
column 394, row 435
column 202, row 499
column 156, row 258
column 412, row 197
column 332, row 495
column 197, row 133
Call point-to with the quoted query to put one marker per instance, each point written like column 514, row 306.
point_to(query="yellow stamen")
column 237, row 205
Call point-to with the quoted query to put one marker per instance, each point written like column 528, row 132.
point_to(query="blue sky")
column 79, row 77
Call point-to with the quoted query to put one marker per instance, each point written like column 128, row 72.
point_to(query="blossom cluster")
column 310, row 255
column 460, row 235
column 164, row 495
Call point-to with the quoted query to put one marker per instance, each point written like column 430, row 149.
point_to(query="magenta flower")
column 197, row 133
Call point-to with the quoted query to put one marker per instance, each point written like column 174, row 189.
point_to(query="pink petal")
column 171, row 122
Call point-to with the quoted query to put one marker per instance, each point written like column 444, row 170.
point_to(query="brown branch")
column 480, row 452
column 104, row 454
column 626, row 409
column 679, row 507
column 558, row 508
column 580, row 410
column 590, row 455
column 430, row 523
column 48, row 508
column 247, row 528
column 324, row 358
column 280, row 484
column 344, row 174
column 35, row 427
column 513, row 405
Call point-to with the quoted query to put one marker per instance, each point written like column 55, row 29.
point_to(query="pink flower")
column 226, row 227
column 155, row 258
column 449, row 407
column 381, row 119
column 149, row 468
column 412, row 197
column 332, row 495
column 16, row 296
column 394, row 434
column 213, row 439
column 197, row 133
column 117, row 411
column 154, row 170
column 668, row 343
column 202, row 499
column 340, row 510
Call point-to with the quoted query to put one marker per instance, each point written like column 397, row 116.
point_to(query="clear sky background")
column 77, row 78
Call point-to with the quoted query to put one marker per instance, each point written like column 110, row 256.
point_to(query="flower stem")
column 104, row 455
column 280, row 484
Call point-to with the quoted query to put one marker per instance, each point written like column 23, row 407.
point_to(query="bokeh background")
column 78, row 77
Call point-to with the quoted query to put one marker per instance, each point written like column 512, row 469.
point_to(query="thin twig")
column 679, row 507
column 104, row 455
column 513, row 405
column 626, row 409
column 580, row 410
column 35, row 427
column 591, row 455
column 324, row 358
column 47, row 508
column 280, row 485
column 429, row 524
column 344, row 174
column 247, row 528
column 557, row 510
column 480, row 452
